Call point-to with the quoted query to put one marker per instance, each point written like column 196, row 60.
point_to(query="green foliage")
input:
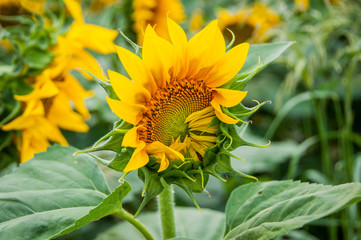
column 266, row 210
column 55, row 193
column 191, row 224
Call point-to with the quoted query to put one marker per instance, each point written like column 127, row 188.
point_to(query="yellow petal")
column 179, row 40
column 164, row 163
column 136, row 69
column 205, row 48
column 43, row 89
column 62, row 115
column 93, row 37
column 74, row 8
column 220, row 115
column 33, row 111
column 75, row 91
column 138, row 159
column 228, row 97
column 177, row 35
column 158, row 147
column 127, row 90
column 131, row 138
column 81, row 59
column 31, row 143
column 158, row 56
column 228, row 66
column 48, row 130
column 129, row 112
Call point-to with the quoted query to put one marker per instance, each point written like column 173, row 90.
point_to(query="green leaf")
column 265, row 210
column 37, row 58
column 268, row 52
column 191, row 224
column 259, row 56
column 54, row 193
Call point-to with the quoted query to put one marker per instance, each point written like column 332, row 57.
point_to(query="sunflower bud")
column 181, row 112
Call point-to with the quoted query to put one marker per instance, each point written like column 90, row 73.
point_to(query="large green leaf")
column 268, row 52
column 191, row 224
column 54, row 193
column 265, row 210
column 259, row 56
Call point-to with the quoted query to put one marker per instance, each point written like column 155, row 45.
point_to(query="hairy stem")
column 135, row 222
column 166, row 209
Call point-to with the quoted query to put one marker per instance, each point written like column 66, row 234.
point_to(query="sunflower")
column 154, row 12
column 47, row 109
column 248, row 24
column 175, row 94
column 196, row 21
column 302, row 5
column 18, row 7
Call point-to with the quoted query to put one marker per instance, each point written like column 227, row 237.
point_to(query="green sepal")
column 136, row 47
column 240, row 81
column 242, row 112
column 234, row 137
column 112, row 141
column 104, row 84
column 210, row 155
column 152, row 186
column 222, row 165
column 229, row 46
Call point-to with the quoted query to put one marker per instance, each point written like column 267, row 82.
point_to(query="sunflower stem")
column 166, row 209
column 135, row 222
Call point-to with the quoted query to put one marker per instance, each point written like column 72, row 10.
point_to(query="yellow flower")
column 196, row 20
column 70, row 51
column 302, row 5
column 249, row 24
column 97, row 5
column 175, row 93
column 18, row 7
column 37, row 130
column 154, row 12
column 47, row 108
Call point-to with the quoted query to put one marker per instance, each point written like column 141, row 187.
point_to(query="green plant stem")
column 135, row 222
column 166, row 209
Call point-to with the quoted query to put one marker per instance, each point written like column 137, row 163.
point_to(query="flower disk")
column 173, row 99
column 169, row 108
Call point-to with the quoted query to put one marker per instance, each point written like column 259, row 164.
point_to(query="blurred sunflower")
column 175, row 93
column 97, row 5
column 302, row 5
column 19, row 7
column 249, row 24
column 47, row 108
column 154, row 12
column 196, row 20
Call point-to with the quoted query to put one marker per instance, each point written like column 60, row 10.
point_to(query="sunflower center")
column 169, row 108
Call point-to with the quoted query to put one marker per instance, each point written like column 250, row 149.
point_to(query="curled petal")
column 221, row 116
column 138, row 159
column 228, row 97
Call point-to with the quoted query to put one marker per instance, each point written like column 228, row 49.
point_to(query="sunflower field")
column 180, row 119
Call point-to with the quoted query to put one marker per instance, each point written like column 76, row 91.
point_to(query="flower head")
column 48, row 108
column 249, row 24
column 154, row 12
column 175, row 94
